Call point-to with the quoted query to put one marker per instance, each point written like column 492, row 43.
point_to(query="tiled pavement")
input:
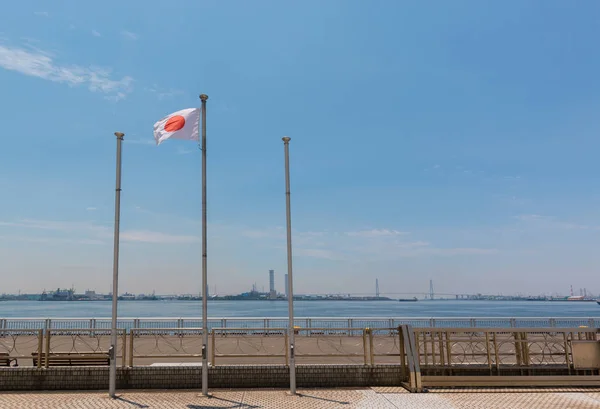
column 319, row 398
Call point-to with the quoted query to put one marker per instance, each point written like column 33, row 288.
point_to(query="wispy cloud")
column 456, row 251
column 129, row 35
column 356, row 246
column 93, row 233
column 320, row 253
column 140, row 141
column 164, row 93
column 376, row 233
column 274, row 233
column 50, row 240
column 145, row 236
column 552, row 222
column 40, row 64
column 183, row 151
column 96, row 34
column 41, row 13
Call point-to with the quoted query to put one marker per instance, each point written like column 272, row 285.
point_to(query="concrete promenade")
column 320, row 398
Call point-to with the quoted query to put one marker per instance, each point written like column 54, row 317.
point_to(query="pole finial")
column 203, row 97
column 286, row 139
column 119, row 134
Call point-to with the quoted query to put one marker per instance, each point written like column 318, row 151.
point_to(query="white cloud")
column 41, row 13
column 319, row 253
column 551, row 222
column 95, row 233
column 376, row 233
column 96, row 34
column 144, row 236
column 355, row 246
column 164, row 93
column 41, row 65
column 456, row 251
column 129, row 35
column 50, row 240
column 183, row 151
column 140, row 141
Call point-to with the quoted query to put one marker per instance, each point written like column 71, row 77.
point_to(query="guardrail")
column 440, row 353
column 21, row 344
column 174, row 343
column 310, row 322
column 83, row 342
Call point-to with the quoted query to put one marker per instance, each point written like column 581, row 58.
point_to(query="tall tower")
column 377, row 287
column 286, row 285
column 272, row 292
column 431, row 289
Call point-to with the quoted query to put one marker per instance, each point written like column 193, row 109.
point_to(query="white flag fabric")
column 182, row 124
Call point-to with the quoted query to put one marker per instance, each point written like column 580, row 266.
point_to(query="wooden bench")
column 73, row 359
column 5, row 359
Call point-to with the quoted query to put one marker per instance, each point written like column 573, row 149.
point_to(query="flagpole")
column 203, row 98
column 112, row 352
column 286, row 142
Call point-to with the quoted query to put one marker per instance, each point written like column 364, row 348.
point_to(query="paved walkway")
column 320, row 398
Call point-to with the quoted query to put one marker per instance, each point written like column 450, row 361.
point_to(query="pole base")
column 207, row 396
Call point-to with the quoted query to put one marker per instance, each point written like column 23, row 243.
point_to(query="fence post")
column 591, row 323
column 513, row 323
column 518, row 353
column 214, row 345
column 309, row 322
column 365, row 331
column 124, row 357
column 552, row 323
column 131, row 337
column 48, row 334
column 285, row 340
column 473, row 323
column 371, row 348
column 431, row 323
column 40, row 347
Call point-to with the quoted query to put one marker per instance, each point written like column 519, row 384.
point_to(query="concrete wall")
column 185, row 377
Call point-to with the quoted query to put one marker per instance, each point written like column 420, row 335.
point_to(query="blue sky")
column 455, row 141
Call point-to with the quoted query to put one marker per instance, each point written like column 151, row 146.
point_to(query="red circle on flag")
column 175, row 123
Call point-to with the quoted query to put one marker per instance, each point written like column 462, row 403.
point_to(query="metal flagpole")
column 286, row 142
column 112, row 352
column 203, row 98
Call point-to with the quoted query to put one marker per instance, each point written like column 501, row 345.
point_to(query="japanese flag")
column 182, row 124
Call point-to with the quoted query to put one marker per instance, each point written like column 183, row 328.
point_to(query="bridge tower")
column 431, row 289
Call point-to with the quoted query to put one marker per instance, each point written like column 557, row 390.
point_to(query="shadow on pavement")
column 323, row 399
column 132, row 403
column 234, row 404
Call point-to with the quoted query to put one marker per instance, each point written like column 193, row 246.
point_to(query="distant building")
column 286, row 285
column 272, row 292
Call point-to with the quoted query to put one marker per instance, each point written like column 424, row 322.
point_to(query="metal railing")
column 310, row 322
column 268, row 344
column 178, row 343
column 438, row 351
column 22, row 344
column 82, row 342
column 496, row 349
